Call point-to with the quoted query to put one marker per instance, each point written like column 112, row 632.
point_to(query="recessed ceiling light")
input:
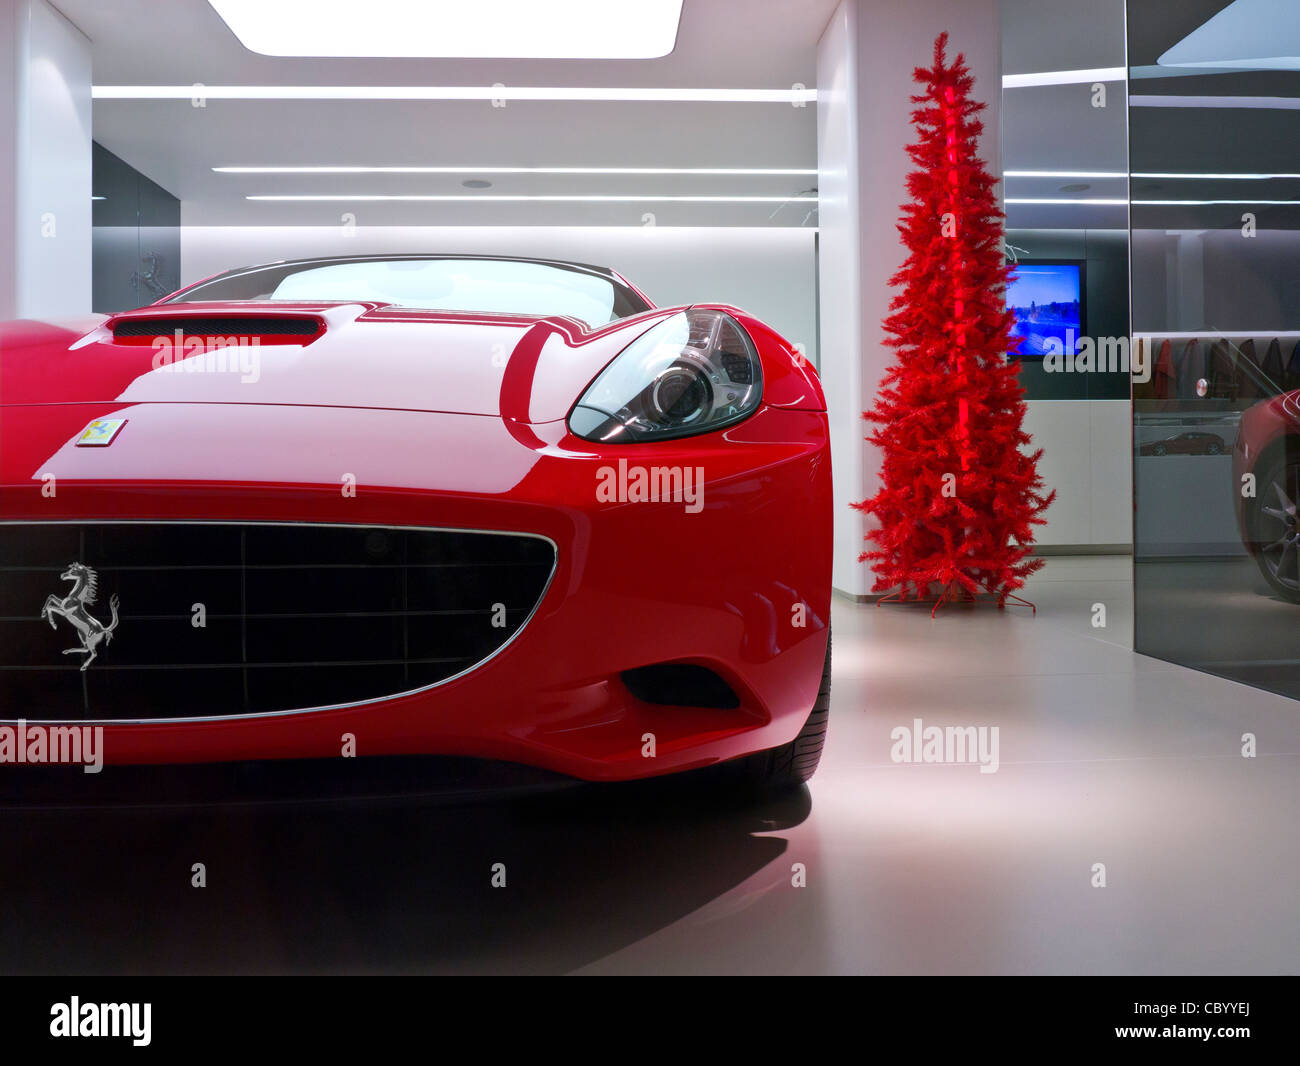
column 619, row 93
column 476, row 183
column 455, row 29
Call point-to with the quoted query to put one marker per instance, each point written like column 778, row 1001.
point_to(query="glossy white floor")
column 1105, row 757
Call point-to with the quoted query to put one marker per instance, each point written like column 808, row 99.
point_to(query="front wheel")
column 794, row 763
column 1275, row 526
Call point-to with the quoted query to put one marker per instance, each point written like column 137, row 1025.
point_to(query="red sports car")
column 465, row 505
column 1268, row 449
column 1193, row 443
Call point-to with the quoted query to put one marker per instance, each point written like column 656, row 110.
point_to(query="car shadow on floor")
column 363, row 879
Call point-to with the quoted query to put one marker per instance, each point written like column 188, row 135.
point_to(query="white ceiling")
column 721, row 44
column 730, row 43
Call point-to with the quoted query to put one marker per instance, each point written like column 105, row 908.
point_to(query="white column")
column 45, row 161
column 864, row 80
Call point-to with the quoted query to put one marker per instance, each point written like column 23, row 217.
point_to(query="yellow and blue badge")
column 101, row 432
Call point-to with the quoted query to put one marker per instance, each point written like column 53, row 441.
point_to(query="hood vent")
column 274, row 329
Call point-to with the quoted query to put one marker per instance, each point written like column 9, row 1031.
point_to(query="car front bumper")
column 739, row 585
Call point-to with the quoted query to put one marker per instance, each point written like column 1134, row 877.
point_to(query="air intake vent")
column 680, row 685
column 210, row 326
column 293, row 617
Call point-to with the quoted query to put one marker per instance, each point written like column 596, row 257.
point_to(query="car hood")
column 525, row 369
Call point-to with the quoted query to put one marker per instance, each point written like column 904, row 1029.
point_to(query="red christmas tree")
column 960, row 497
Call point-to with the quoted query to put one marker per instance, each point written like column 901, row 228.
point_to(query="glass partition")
column 1214, row 156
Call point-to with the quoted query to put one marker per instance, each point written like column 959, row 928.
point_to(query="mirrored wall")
column 136, row 240
column 1214, row 155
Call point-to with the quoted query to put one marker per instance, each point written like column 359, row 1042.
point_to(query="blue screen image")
column 1045, row 298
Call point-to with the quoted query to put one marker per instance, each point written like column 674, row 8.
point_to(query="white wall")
column 1088, row 459
column 45, row 137
column 865, row 60
column 768, row 272
column 8, row 154
column 842, row 326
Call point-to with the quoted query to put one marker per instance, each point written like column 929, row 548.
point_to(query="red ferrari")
column 1268, row 450
column 419, row 504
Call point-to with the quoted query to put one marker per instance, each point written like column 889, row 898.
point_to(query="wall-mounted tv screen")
column 1047, row 298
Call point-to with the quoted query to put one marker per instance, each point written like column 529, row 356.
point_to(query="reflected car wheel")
column 1159, row 449
column 1275, row 525
column 1214, row 448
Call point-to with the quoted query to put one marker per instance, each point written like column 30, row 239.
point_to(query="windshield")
column 495, row 286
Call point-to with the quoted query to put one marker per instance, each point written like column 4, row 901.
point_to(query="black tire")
column 794, row 763
column 1214, row 448
column 1159, row 449
column 1275, row 542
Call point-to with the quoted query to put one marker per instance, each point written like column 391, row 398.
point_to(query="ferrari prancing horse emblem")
column 101, row 433
column 75, row 608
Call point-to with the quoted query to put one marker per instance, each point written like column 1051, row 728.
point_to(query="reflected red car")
column 1266, row 467
column 1195, row 442
column 392, row 505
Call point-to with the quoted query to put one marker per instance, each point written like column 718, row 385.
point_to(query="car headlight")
column 693, row 373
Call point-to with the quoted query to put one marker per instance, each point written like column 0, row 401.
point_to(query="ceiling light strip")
column 453, row 92
column 1100, row 202
column 1063, row 77
column 550, row 199
column 1064, row 174
column 693, row 171
column 1091, row 202
column 1103, row 174
column 1209, row 203
column 1222, row 177
column 1269, row 103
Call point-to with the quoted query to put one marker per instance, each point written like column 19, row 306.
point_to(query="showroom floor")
column 1105, row 758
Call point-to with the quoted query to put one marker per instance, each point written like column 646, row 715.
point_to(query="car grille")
column 292, row 616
